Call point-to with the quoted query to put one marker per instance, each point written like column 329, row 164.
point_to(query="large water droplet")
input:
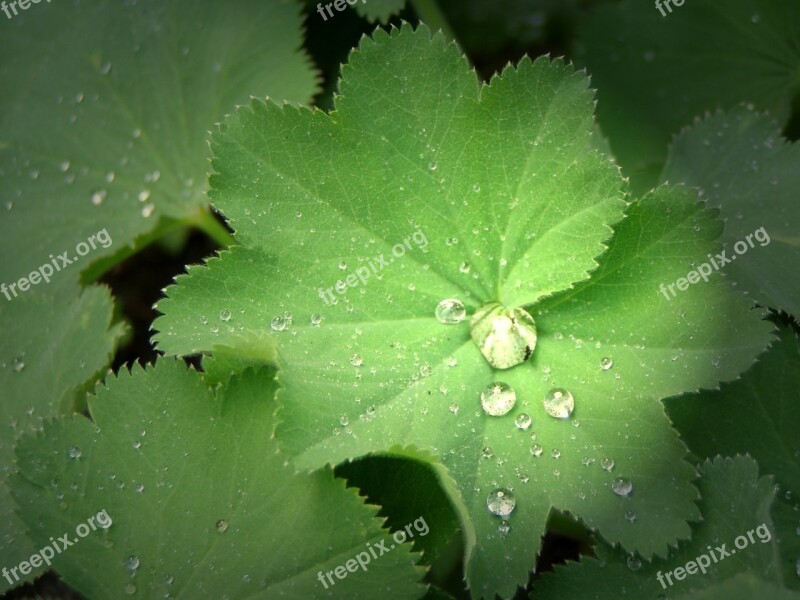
column 498, row 399
column 559, row 403
column 505, row 337
column 622, row 486
column 501, row 502
column 523, row 421
column 450, row 311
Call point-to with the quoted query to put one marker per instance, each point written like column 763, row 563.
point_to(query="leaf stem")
column 429, row 13
column 209, row 224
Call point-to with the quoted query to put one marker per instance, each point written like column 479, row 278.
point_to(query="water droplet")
column 606, row 363
column 225, row 315
column 432, row 166
column 630, row 516
column 498, row 399
column 622, row 486
column 278, row 324
column 130, row 589
column 222, row 526
column 343, row 265
column 64, row 166
column 607, row 464
column 131, row 563
column 453, row 408
column 797, row 567
column 500, row 502
column 137, row 445
column 505, row 337
column 316, row 320
column 523, row 421
column 476, row 188
column 98, row 197
column 504, row 527
column 75, row 452
column 139, row 488
column 450, row 311
column 464, row 267
column 17, row 365
column 136, row 133
column 144, row 195
column 756, row 18
column 536, row 450
column 559, row 403
column 556, row 453
column 356, row 360
column 634, row 564
column 147, row 210
column 344, row 421
column 105, row 68
column 487, row 452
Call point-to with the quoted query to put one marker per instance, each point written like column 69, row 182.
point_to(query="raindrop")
column 606, row 363
column 222, row 526
column 343, row 265
column 556, row 453
column 498, row 399
column 450, row 311
column 278, row 324
column 464, row 267
column 476, row 188
column 630, row 516
column 75, row 452
column 356, row 360
column 225, row 315
column 144, row 195
column 17, row 365
column 634, row 564
column 622, row 486
column 432, row 166
column 523, row 421
column 139, row 488
column 148, row 210
column 131, row 563
column 487, row 452
column 453, row 408
column 500, row 502
column 505, row 337
column 316, row 320
column 559, row 403
column 130, row 589
column 503, row 528
column 344, row 421
column 98, row 197
column 64, row 166
column 536, row 450
column 105, row 68
column 607, row 464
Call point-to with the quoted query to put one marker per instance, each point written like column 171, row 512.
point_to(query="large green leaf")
column 498, row 200
column 758, row 415
column 735, row 502
column 203, row 504
column 41, row 363
column 655, row 74
column 742, row 164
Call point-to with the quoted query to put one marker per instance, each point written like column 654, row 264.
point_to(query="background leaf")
column 159, row 442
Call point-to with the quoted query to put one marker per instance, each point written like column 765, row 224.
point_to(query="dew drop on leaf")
column 498, row 399
column 278, row 324
column 634, row 564
column 131, row 563
column 98, row 197
column 356, row 360
column 556, row 453
column 536, row 450
column 316, row 320
column 630, row 516
column 487, row 452
column 450, row 311
column 75, row 452
column 503, row 528
column 501, row 502
column 559, row 403
column 130, row 589
column 607, row 464
column 222, row 526
column 622, row 486
column 225, row 315
column 523, row 421
column 17, row 365
column 505, row 337
column 606, row 363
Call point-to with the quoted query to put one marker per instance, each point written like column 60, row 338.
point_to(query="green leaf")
column 179, row 469
column 735, row 501
column 492, row 196
column 742, row 164
column 655, row 74
column 40, row 367
column 756, row 415
column 741, row 587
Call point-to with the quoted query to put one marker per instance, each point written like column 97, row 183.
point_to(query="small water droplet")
column 504, row 528
column 356, row 360
column 98, row 197
column 278, row 324
column 634, row 564
column 64, row 166
column 225, row 315
column 607, row 464
column 464, row 267
column 75, row 452
column 556, row 453
column 450, row 311
column 630, row 516
column 432, row 166
column 501, row 502
column 137, row 445
column 498, row 399
column 131, row 563
column 453, row 408
column 147, row 210
column 17, row 365
column 523, row 421
column 130, row 589
column 622, row 486
column 487, row 452
column 606, row 363
column 139, row 488
column 536, row 450
column 344, row 421
column 559, row 403
column 316, row 320
column 222, row 526
column 476, row 188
